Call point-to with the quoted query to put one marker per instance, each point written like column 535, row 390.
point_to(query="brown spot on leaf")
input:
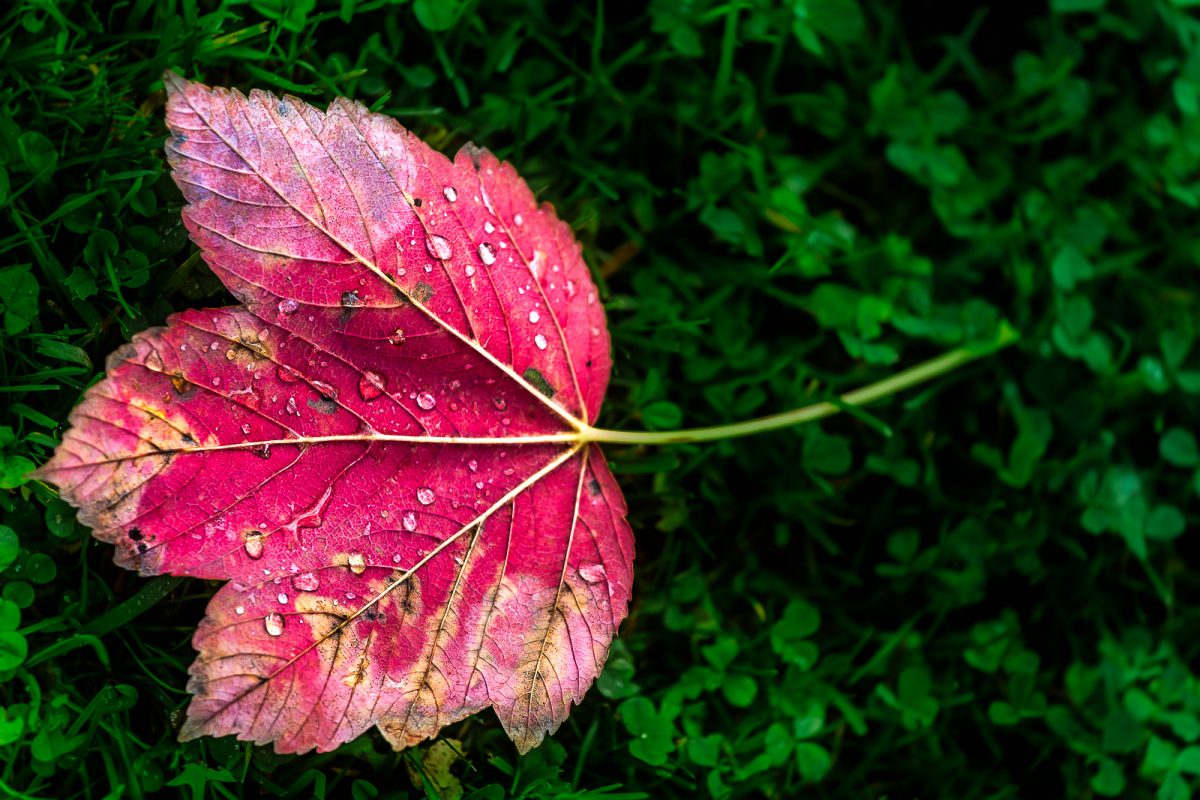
column 182, row 386
column 422, row 292
column 324, row 405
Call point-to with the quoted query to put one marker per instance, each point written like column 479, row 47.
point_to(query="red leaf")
column 379, row 450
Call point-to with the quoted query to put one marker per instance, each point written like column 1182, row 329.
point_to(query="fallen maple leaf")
column 383, row 450
column 387, row 449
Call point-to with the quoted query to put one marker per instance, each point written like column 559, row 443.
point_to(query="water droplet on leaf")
column 371, row 385
column 254, row 544
column 425, row 495
column 306, row 582
column 593, row 573
column 273, row 623
column 357, row 563
column 438, row 247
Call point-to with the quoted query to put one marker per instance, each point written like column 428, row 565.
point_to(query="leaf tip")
column 173, row 82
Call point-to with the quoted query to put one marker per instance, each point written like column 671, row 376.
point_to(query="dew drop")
column 518, row 220
column 487, row 254
column 488, row 227
column 451, row 193
column 473, row 465
column 425, row 496
column 326, row 391
column 439, row 247
column 286, row 374
column 534, row 316
column 397, row 337
column 396, row 558
column 246, row 428
column 426, row 401
column 478, row 484
column 240, row 610
column 540, row 341
column 288, row 306
column 254, row 544
column 306, row 582
column 282, row 598
column 409, row 521
column 469, row 271
column 593, row 573
column 371, row 385
column 291, row 406
column 358, row 564
column 274, row 623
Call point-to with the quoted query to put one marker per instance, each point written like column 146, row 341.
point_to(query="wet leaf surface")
column 378, row 450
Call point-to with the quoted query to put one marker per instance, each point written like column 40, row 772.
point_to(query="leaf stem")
column 906, row 379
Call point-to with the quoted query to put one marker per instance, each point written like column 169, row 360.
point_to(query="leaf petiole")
column 905, row 379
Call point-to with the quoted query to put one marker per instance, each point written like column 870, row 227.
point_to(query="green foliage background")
column 985, row 588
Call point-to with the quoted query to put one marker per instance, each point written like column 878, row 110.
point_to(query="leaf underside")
column 376, row 449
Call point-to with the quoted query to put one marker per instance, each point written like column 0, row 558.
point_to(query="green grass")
column 985, row 588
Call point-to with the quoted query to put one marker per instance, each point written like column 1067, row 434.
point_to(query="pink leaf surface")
column 379, row 450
